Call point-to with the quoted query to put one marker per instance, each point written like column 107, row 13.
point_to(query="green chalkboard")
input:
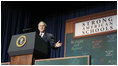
column 101, row 48
column 83, row 60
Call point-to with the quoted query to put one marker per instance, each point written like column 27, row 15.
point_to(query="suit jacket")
column 49, row 39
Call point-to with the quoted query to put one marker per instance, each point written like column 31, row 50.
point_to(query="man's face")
column 41, row 27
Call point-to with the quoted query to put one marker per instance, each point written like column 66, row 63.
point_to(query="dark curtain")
column 14, row 20
column 12, row 23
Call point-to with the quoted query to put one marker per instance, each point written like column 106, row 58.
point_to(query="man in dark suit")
column 47, row 37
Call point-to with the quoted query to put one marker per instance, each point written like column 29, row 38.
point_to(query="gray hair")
column 42, row 22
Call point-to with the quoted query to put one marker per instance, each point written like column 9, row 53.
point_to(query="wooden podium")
column 26, row 47
column 21, row 59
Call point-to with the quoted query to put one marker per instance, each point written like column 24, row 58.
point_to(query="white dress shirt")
column 41, row 34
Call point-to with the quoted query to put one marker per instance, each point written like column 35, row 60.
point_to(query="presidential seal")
column 21, row 41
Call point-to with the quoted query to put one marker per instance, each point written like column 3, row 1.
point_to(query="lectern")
column 26, row 47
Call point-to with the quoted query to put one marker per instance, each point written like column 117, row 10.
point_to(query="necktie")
column 41, row 35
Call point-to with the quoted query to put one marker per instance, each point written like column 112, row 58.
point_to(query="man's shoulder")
column 49, row 34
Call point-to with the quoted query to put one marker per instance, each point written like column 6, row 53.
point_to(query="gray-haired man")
column 47, row 37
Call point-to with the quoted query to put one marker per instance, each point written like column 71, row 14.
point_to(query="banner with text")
column 104, row 24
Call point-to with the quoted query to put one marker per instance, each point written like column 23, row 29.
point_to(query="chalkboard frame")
column 5, row 63
column 88, row 56
column 91, row 17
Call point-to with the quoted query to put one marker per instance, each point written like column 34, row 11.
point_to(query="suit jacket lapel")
column 44, row 36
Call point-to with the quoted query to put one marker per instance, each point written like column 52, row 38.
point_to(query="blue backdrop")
column 14, row 20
